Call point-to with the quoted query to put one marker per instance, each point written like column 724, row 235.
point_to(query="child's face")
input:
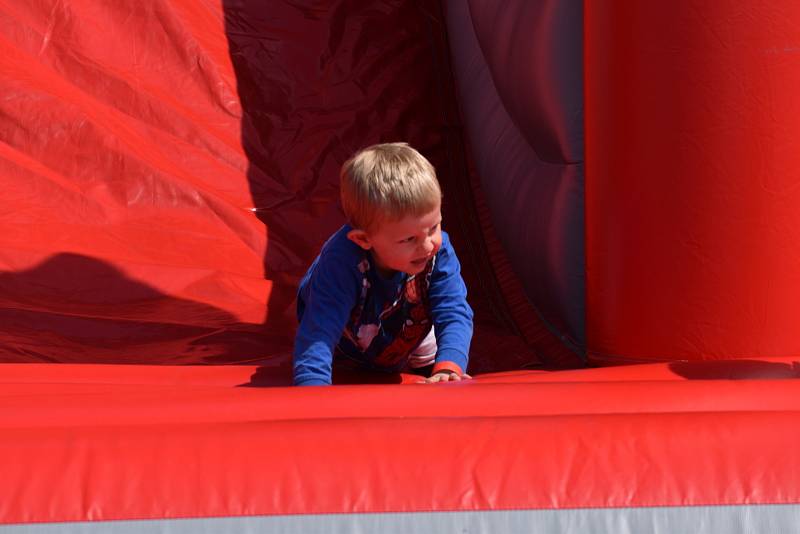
column 405, row 245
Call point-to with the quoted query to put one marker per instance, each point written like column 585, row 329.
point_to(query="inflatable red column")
column 692, row 179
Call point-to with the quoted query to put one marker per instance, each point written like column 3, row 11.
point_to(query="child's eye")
column 407, row 240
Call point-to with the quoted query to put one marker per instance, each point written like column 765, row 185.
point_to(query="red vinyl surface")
column 165, row 190
column 692, row 158
column 112, row 442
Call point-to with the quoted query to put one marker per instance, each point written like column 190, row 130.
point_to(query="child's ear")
column 360, row 238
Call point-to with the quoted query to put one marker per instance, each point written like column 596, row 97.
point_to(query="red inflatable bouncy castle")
column 620, row 182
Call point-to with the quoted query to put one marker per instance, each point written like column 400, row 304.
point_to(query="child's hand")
column 447, row 376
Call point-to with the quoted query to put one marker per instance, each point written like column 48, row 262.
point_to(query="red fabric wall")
column 693, row 158
column 170, row 168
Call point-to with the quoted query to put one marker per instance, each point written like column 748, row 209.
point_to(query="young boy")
column 385, row 292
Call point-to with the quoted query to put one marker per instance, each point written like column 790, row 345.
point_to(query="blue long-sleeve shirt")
column 345, row 307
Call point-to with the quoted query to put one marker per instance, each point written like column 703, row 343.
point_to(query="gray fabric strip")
column 536, row 201
column 773, row 519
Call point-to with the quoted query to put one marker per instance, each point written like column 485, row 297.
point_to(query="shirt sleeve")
column 452, row 315
column 326, row 301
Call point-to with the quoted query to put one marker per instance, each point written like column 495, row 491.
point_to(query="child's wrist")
column 448, row 367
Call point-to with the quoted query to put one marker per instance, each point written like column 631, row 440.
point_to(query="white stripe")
column 425, row 353
column 745, row 519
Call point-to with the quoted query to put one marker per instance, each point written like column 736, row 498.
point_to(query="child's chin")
column 415, row 269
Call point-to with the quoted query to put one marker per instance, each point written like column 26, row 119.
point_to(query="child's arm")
column 452, row 315
column 328, row 299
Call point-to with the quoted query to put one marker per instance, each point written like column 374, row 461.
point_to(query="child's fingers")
column 447, row 377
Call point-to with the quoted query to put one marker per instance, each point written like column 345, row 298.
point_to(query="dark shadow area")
column 735, row 370
column 317, row 82
column 77, row 309
column 267, row 376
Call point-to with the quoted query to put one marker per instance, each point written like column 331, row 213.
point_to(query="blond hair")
column 387, row 182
